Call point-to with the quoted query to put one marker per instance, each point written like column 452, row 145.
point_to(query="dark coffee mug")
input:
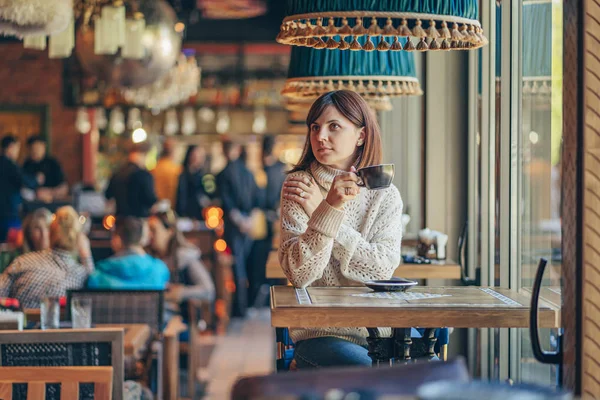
column 376, row 176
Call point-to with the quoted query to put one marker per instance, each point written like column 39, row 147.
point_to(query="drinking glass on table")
column 50, row 313
column 81, row 312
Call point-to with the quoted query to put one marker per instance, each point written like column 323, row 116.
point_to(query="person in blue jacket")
column 130, row 268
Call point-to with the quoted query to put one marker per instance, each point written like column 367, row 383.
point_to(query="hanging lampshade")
column 231, row 9
column 336, row 24
column 375, row 76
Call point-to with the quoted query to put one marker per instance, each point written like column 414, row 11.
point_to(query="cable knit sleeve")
column 306, row 244
column 377, row 255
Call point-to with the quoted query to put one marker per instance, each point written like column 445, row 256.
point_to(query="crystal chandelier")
column 173, row 88
column 117, row 24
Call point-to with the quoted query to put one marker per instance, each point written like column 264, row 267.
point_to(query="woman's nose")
column 323, row 135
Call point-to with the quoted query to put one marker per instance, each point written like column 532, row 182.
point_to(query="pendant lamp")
column 376, row 76
column 231, row 9
column 337, row 24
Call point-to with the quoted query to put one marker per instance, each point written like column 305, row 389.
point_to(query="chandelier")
column 173, row 88
column 336, row 24
column 117, row 25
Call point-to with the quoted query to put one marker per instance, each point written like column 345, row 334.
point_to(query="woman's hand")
column 343, row 189
column 304, row 191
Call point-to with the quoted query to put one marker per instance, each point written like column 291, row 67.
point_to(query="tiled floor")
column 247, row 349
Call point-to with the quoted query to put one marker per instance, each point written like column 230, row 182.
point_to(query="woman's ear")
column 361, row 137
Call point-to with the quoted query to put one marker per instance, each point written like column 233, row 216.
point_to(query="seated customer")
column 130, row 267
column 189, row 277
column 51, row 272
column 36, row 230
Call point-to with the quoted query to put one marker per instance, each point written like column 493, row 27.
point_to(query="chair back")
column 62, row 348
column 123, row 306
column 401, row 380
column 70, row 379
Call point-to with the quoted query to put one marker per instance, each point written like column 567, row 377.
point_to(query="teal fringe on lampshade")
column 331, row 24
column 377, row 76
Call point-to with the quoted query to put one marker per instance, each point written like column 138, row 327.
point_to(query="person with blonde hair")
column 36, row 230
column 51, row 272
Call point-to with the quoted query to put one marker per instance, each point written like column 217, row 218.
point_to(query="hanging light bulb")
column 223, row 122
column 206, row 114
column 259, row 126
column 134, row 118
column 117, row 121
column 82, row 121
column 171, row 122
column 101, row 121
column 188, row 121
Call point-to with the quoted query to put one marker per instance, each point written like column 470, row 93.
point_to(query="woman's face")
column 334, row 138
column 197, row 158
column 159, row 236
column 39, row 235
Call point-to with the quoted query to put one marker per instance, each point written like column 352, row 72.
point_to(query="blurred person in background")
column 239, row 195
column 36, row 275
column 12, row 179
column 166, row 173
column 36, row 230
column 130, row 268
column 189, row 277
column 191, row 195
column 132, row 186
column 46, row 170
column 270, row 196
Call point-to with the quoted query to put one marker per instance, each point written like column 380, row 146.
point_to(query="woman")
column 36, row 230
column 334, row 233
column 189, row 278
column 191, row 197
column 51, row 272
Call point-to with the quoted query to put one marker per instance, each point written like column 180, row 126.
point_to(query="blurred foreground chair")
column 401, row 380
column 36, row 379
column 100, row 347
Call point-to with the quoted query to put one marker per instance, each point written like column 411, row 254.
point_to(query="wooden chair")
column 130, row 307
column 100, row 347
column 36, row 379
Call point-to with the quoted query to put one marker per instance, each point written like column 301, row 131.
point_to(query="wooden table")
column 436, row 270
column 460, row 307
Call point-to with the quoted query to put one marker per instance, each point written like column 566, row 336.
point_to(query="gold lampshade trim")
column 373, row 86
column 443, row 32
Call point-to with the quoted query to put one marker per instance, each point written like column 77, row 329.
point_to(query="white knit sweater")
column 340, row 247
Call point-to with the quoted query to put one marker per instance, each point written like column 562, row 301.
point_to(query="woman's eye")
column 334, row 127
column 314, row 128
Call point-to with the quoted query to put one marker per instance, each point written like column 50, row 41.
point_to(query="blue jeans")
column 329, row 351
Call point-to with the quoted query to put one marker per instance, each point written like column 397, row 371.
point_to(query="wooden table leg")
column 381, row 350
column 429, row 336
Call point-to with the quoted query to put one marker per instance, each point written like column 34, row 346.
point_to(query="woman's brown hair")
column 352, row 106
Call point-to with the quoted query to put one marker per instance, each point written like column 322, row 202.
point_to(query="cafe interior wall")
column 29, row 77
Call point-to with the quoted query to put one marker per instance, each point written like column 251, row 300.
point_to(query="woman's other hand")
column 343, row 189
column 304, row 191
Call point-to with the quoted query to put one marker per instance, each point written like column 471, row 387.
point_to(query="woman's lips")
column 324, row 150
